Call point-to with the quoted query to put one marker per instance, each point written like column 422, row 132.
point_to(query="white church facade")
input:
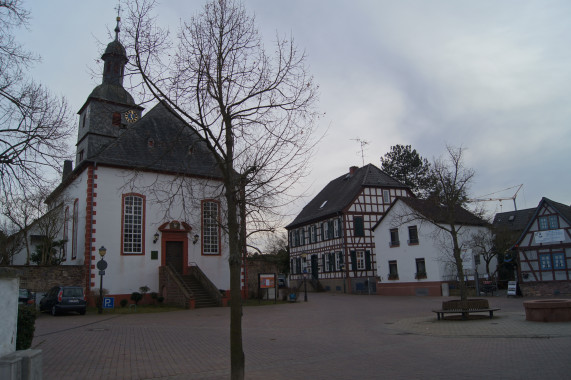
column 145, row 187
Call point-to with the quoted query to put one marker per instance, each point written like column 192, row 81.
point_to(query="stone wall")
column 42, row 278
column 546, row 288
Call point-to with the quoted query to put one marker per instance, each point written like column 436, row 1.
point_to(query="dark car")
column 64, row 299
column 25, row 297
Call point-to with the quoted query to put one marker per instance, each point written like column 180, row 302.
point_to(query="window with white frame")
column 327, row 267
column 211, row 228
column 339, row 260
column 550, row 222
column 325, row 226
column 386, row 196
column 361, row 260
column 314, row 233
column 133, row 218
column 559, row 261
column 545, row 262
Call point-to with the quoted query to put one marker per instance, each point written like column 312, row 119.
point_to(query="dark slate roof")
column 177, row 148
column 563, row 209
column 340, row 192
column 513, row 220
column 111, row 93
column 437, row 213
column 115, row 47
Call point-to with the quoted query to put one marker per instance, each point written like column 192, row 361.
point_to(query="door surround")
column 179, row 232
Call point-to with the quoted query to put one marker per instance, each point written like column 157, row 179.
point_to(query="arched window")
column 210, row 227
column 65, row 233
column 133, row 226
column 74, row 230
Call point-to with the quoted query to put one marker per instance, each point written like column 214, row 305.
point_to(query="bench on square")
column 465, row 308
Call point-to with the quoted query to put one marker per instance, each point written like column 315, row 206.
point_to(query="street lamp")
column 305, row 285
column 101, row 265
column 342, row 267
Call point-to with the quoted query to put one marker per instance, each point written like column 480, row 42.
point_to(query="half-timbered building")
column 331, row 242
column 544, row 251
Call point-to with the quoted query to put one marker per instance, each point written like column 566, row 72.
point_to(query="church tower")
column 109, row 109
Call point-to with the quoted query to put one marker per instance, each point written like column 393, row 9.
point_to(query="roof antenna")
column 363, row 143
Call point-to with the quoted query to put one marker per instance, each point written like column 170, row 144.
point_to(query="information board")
column 512, row 288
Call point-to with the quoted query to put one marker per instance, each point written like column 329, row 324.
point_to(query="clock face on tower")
column 131, row 116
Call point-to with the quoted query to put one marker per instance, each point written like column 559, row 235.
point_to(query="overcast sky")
column 491, row 76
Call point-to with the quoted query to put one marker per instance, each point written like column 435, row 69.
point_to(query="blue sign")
column 108, row 302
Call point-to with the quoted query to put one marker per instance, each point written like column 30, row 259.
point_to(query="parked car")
column 63, row 299
column 25, row 297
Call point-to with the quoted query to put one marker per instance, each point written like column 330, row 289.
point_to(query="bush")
column 26, row 327
column 123, row 302
column 136, row 297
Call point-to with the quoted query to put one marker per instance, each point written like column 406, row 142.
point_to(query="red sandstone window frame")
column 210, row 228
column 129, row 224
column 75, row 219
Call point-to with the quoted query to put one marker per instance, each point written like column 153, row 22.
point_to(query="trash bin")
column 445, row 290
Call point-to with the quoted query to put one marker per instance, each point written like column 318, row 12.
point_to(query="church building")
column 147, row 189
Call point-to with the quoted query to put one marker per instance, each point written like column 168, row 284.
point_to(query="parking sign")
column 108, row 302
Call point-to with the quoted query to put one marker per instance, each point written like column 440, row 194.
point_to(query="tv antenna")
column 363, row 143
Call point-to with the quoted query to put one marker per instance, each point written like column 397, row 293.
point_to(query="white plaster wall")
column 126, row 273
column 9, row 285
column 428, row 248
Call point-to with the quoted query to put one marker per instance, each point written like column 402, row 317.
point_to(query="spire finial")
column 118, row 8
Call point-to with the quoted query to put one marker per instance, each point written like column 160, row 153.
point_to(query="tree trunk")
column 459, row 265
column 237, row 358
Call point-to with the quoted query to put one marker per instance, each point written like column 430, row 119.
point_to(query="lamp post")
column 342, row 267
column 101, row 265
column 305, row 285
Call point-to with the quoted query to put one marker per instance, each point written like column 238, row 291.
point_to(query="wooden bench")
column 465, row 308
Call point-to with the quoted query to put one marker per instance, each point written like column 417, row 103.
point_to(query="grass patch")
column 139, row 309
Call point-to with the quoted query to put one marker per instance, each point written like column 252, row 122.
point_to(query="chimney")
column 353, row 169
column 67, row 169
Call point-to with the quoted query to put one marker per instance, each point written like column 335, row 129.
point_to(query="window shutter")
column 332, row 261
column 322, row 232
column 323, row 262
column 368, row 260
column 298, row 265
column 340, row 227
column 330, row 229
column 353, row 260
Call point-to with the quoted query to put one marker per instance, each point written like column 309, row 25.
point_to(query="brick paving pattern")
column 333, row 336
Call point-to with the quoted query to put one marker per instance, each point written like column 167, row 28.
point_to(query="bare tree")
column 34, row 124
column 254, row 111
column 445, row 208
column 483, row 244
column 49, row 227
column 11, row 242
column 21, row 212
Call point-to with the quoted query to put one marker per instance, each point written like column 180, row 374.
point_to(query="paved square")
column 333, row 336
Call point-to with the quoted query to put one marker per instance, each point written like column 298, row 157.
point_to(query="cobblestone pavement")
column 333, row 336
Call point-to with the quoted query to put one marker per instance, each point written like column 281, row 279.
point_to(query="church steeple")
column 115, row 58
